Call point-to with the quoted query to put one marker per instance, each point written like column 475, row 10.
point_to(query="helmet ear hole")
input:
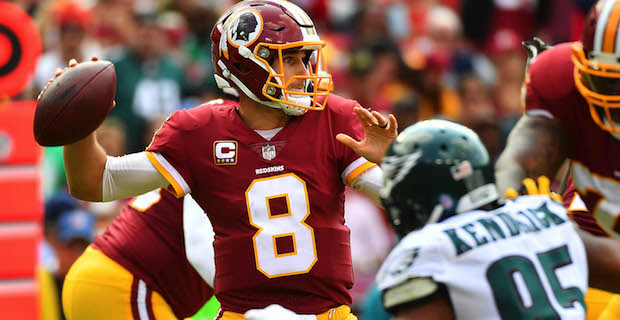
column 244, row 69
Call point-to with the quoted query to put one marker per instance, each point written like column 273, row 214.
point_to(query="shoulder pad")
column 409, row 291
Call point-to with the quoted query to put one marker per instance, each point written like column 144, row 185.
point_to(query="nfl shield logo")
column 269, row 152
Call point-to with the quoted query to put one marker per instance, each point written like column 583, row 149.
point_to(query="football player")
column 155, row 261
column 571, row 95
column 463, row 254
column 269, row 171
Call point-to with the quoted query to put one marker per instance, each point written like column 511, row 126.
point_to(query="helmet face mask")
column 316, row 83
column 434, row 170
column 597, row 65
column 599, row 84
column 249, row 43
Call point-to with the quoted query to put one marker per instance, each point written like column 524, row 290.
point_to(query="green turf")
column 208, row 311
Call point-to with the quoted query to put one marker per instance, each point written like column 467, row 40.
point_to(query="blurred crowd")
column 460, row 60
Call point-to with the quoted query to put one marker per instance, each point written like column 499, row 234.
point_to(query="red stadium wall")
column 21, row 211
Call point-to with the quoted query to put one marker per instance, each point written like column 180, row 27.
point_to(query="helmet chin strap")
column 297, row 99
column 435, row 214
column 292, row 111
column 613, row 134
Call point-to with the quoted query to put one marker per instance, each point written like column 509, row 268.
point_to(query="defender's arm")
column 603, row 261
column 537, row 146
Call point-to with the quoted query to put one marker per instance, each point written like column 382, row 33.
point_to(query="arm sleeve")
column 129, row 176
column 369, row 183
column 168, row 153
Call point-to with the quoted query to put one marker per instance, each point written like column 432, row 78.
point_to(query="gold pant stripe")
column 340, row 313
column 97, row 287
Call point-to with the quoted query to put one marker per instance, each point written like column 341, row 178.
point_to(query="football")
column 75, row 103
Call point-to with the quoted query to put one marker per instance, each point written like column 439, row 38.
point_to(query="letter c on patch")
column 225, row 150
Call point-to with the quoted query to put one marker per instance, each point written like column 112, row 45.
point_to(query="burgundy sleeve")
column 169, row 146
column 346, row 122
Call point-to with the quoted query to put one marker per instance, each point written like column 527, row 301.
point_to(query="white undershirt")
column 269, row 134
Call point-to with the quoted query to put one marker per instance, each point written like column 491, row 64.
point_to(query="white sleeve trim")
column 172, row 171
column 540, row 112
column 370, row 183
column 354, row 165
column 129, row 176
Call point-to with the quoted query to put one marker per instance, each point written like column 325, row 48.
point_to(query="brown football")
column 75, row 104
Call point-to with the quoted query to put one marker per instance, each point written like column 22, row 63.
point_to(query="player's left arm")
column 378, row 132
column 603, row 261
column 370, row 183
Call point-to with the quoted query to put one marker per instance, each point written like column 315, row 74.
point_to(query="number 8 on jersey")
column 272, row 227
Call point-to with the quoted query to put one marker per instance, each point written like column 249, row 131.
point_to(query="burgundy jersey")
column 578, row 210
column 147, row 239
column 277, row 207
column 550, row 91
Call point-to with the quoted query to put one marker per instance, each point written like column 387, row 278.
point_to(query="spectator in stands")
column 476, row 100
column 68, row 33
column 68, row 230
column 509, row 58
column 148, row 82
column 406, row 110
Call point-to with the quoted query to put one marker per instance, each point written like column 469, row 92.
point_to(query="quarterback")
column 270, row 171
column 466, row 256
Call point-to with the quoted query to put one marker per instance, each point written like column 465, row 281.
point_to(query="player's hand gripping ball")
column 75, row 102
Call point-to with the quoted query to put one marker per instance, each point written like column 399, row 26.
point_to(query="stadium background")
column 457, row 59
